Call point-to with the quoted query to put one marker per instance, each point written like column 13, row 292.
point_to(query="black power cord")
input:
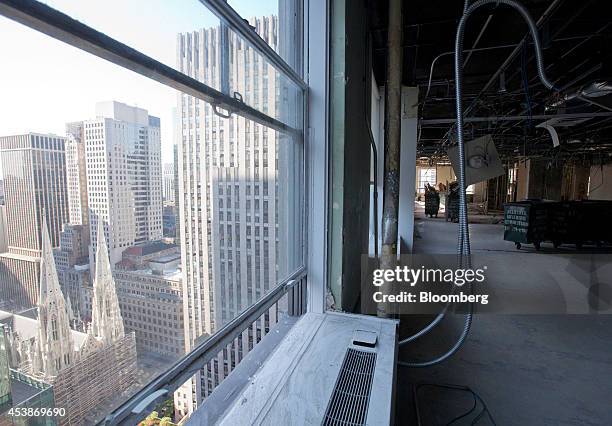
column 476, row 399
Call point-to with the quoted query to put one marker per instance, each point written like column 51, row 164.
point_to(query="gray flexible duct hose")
column 464, row 249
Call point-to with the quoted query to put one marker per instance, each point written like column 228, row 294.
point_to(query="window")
column 253, row 118
column 427, row 176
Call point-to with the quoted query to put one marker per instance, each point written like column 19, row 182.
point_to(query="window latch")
column 219, row 113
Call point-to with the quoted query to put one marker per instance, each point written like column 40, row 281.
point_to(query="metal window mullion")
column 190, row 364
column 238, row 24
column 60, row 26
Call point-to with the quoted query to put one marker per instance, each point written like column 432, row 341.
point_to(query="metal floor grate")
column 349, row 401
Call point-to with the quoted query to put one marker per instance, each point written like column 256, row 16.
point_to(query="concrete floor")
column 530, row 369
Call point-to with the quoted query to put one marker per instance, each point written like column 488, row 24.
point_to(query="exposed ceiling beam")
column 429, row 121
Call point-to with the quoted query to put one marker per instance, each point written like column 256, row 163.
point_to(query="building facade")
column 76, row 174
column 169, row 183
column 3, row 230
column 150, row 293
column 124, row 176
column 34, row 169
column 72, row 262
column 230, row 200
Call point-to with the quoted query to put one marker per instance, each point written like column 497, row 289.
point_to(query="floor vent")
column 349, row 401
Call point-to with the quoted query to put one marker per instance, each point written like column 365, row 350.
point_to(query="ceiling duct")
column 590, row 91
column 597, row 89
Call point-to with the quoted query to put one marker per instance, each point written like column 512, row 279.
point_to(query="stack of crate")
column 565, row 222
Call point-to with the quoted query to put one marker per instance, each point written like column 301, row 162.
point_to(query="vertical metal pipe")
column 393, row 101
column 367, row 112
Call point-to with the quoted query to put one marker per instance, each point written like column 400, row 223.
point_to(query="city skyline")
column 65, row 94
column 123, row 184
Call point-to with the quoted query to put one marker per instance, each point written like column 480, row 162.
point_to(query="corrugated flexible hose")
column 463, row 246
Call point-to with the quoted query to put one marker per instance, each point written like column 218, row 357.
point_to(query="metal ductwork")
column 586, row 93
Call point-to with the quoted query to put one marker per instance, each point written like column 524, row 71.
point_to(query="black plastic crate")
column 452, row 206
column 581, row 222
column 526, row 222
column 432, row 203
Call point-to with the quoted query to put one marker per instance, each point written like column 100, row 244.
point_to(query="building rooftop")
column 24, row 387
column 173, row 274
column 28, row 327
column 148, row 248
column 166, row 259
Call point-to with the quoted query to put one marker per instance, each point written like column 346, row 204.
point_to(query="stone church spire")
column 106, row 320
column 54, row 344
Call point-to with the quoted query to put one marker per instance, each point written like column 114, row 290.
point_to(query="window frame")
column 314, row 142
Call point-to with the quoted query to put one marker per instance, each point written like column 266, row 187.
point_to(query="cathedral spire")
column 54, row 343
column 106, row 321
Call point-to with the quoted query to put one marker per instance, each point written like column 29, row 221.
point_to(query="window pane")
column 149, row 26
column 96, row 169
column 287, row 37
column 206, row 50
column 220, row 58
column 427, row 176
column 242, row 224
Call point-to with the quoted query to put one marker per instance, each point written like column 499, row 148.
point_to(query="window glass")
column 427, row 176
column 171, row 253
column 284, row 34
column 193, row 40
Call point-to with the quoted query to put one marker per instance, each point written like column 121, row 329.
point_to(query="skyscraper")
column 228, row 173
column 34, row 168
column 124, row 177
column 76, row 174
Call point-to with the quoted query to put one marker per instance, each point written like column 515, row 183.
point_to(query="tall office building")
column 169, row 183
column 34, row 168
column 76, row 174
column 124, row 176
column 177, row 212
column 230, row 216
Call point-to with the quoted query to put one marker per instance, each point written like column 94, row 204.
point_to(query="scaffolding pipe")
column 393, row 101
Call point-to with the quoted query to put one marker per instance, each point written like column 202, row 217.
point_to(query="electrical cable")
column 463, row 247
column 476, row 398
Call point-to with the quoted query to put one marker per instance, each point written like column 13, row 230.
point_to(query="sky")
column 45, row 83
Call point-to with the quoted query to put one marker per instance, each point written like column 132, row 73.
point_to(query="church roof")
column 27, row 328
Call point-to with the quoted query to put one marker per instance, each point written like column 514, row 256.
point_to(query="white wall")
column 600, row 183
column 409, row 135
